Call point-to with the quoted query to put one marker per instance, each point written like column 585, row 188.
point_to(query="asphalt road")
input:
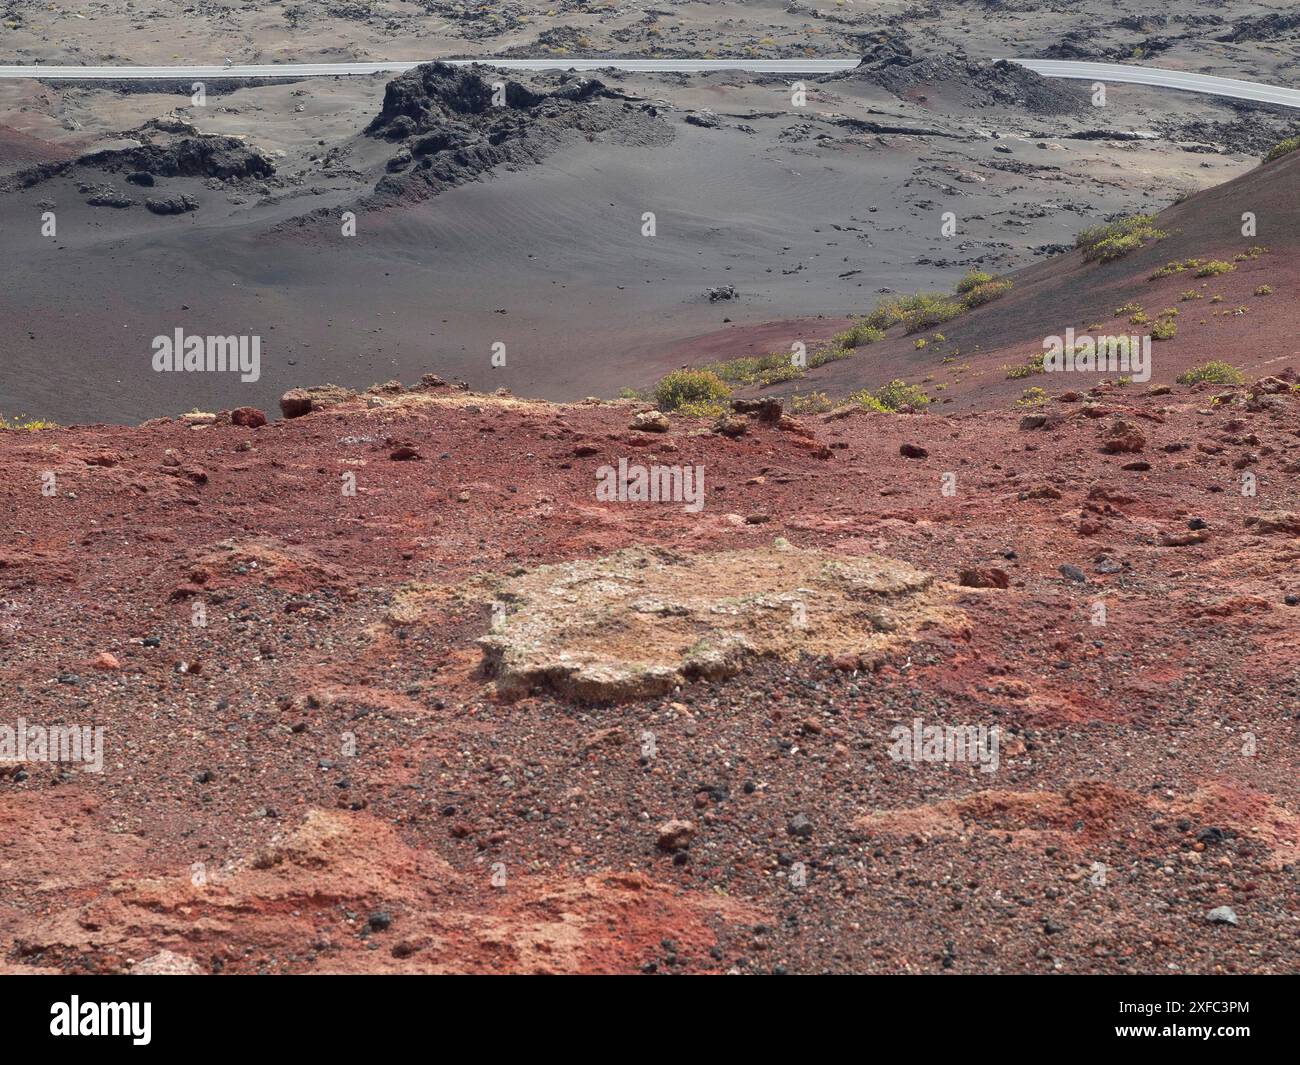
column 1105, row 72
column 1164, row 79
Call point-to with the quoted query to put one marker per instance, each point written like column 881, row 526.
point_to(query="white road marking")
column 1113, row 72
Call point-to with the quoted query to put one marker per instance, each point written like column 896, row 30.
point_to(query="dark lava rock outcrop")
column 227, row 158
column 1264, row 28
column 202, row 156
column 172, row 204
column 895, row 67
column 453, row 124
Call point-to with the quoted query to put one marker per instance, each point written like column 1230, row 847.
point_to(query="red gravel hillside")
column 323, row 776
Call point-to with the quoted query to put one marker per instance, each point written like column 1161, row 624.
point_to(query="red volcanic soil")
column 320, row 778
column 22, row 149
column 1230, row 321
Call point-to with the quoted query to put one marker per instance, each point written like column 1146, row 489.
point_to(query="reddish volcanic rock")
column 1123, row 437
column 295, row 403
column 1284, row 522
column 983, row 578
column 249, row 417
column 307, row 767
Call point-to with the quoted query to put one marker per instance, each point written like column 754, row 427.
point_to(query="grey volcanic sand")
column 548, row 259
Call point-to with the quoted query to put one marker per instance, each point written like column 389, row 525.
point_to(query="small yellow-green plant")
column 1033, row 366
column 866, row 399
column 26, row 424
column 985, row 293
column 1164, row 329
column 857, row 335
column 1116, row 239
column 810, row 403
column 898, row 394
column 928, row 309
column 698, row 390
column 1281, row 148
column 1214, row 268
column 1215, row 371
column 973, row 279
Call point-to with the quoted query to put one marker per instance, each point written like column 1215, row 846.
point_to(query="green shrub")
column 986, row 293
column 27, row 424
column 1264, row 290
column 1175, row 267
column 785, row 370
column 1214, row 268
column 899, row 394
column 1282, row 148
column 811, row 403
column 973, row 279
column 1116, row 239
column 702, row 410
column 756, row 370
column 866, row 399
column 830, row 353
column 858, row 335
column 1033, row 366
column 1216, row 371
column 681, row 388
column 925, row 310
column 887, row 313
column 1164, row 329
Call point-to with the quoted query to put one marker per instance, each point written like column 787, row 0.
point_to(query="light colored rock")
column 642, row 622
column 675, row 835
column 165, row 963
column 651, row 421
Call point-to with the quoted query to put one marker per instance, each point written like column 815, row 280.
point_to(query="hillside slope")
column 1228, row 321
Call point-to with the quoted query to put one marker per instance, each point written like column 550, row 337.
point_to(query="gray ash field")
column 524, row 227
